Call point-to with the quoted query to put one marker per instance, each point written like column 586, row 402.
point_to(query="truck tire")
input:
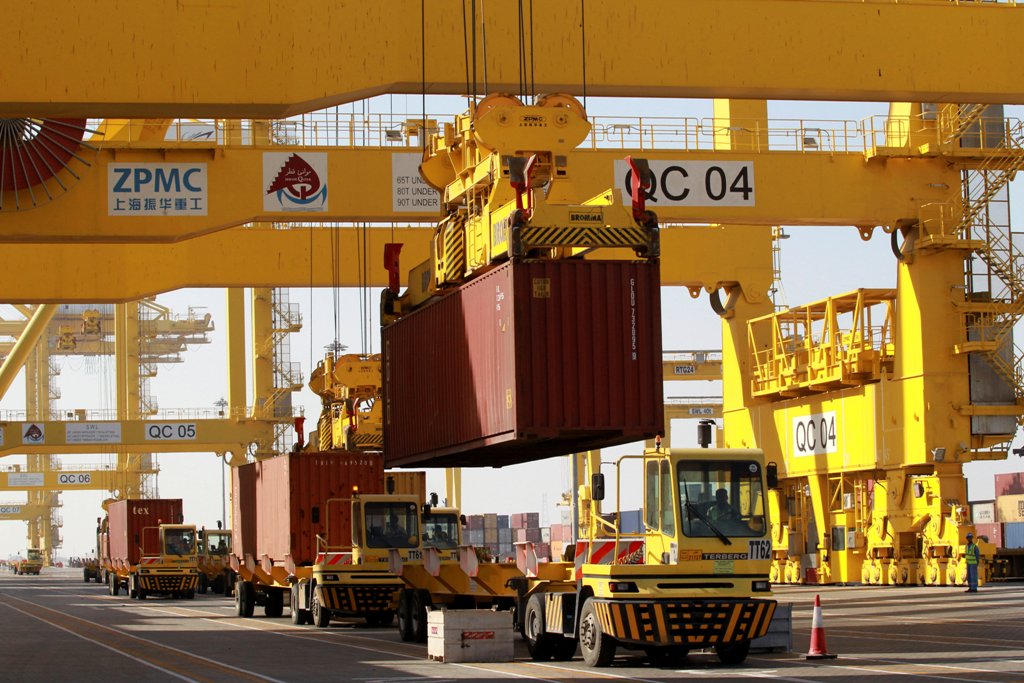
column 300, row 616
column 245, row 601
column 112, row 586
column 418, row 607
column 229, row 583
column 732, row 654
column 202, row 584
column 218, row 585
column 539, row 643
column 321, row 615
column 99, row 578
column 273, row 607
column 133, row 587
column 598, row 648
column 405, row 615
column 85, row 572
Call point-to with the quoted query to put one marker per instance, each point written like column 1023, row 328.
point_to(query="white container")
column 469, row 635
column 983, row 513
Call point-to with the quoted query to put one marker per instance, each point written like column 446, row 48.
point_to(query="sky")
column 816, row 262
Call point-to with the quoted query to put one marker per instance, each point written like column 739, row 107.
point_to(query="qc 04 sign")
column 814, row 434
column 693, row 183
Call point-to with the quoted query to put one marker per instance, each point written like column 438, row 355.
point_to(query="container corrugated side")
column 302, row 495
column 1009, row 484
column 132, row 523
column 994, row 532
column 409, row 483
column 243, row 510
column 527, row 361
column 1010, row 508
column 983, row 512
column 1013, row 535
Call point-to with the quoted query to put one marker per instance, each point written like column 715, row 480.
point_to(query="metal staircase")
column 955, row 120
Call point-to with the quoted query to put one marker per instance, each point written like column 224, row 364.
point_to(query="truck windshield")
column 392, row 525
column 721, row 498
column 34, row 554
column 218, row 544
column 441, row 531
column 179, row 541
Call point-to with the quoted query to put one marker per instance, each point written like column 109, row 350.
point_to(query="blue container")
column 1013, row 535
column 631, row 521
column 502, row 521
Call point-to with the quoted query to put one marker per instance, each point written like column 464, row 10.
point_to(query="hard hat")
column 970, row 535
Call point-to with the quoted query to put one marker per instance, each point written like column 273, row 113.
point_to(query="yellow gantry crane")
column 910, row 184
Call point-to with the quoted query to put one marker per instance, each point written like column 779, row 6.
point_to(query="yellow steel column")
column 263, row 398
column 236, row 360
column 37, row 407
column 35, row 330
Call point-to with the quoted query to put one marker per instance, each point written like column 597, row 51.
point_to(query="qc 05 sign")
column 170, row 431
column 693, row 183
column 814, row 434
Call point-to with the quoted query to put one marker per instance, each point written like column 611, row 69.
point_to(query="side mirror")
column 315, row 515
column 433, row 500
column 390, row 486
column 462, row 520
column 771, row 473
column 597, row 486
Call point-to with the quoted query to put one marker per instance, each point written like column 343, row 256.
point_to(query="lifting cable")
column 522, row 54
column 465, row 51
column 473, row 26
column 483, row 40
column 533, row 78
column 311, row 316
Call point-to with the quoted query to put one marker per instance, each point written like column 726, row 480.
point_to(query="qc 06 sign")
column 170, row 431
column 693, row 183
column 814, row 434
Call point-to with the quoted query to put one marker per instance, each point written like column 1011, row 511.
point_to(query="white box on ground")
column 469, row 635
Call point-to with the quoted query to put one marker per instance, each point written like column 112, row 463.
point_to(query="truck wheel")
column 598, row 649
column 133, row 587
column 112, row 586
column 229, row 584
column 300, row 616
column 418, row 607
column 99, row 578
column 202, row 583
column 539, row 643
column 218, row 585
column 143, row 594
column 320, row 614
column 274, row 605
column 85, row 572
column 732, row 654
column 405, row 615
column 245, row 601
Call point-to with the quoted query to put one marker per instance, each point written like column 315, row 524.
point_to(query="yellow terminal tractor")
column 696, row 577
column 214, row 549
column 31, row 564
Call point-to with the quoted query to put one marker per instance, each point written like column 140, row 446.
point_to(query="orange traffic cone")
column 818, row 649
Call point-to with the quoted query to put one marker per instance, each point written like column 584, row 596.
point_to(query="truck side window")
column 651, row 504
column 668, row 522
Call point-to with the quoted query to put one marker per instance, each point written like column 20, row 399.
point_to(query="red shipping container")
column 993, row 531
column 243, row 511
column 520, row 536
column 292, row 494
column 518, row 521
column 528, row 361
column 133, row 526
column 1010, row 484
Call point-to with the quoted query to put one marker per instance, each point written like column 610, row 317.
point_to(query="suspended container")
column 528, row 361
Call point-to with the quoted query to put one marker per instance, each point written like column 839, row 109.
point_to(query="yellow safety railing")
column 839, row 341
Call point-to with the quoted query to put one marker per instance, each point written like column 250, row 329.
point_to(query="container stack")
column 1001, row 521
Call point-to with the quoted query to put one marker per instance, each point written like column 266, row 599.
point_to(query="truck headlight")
column 622, row 587
column 762, row 586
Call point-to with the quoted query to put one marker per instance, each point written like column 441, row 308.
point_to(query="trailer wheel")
column 245, row 601
column 273, row 607
column 300, row 616
column 133, row 587
column 320, row 614
column 418, row 607
column 405, row 615
column 229, row 583
column 598, row 648
column 113, row 586
column 732, row 654
column 539, row 643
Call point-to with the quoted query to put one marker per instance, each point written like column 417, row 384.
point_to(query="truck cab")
column 168, row 563
column 213, row 550
column 355, row 580
column 32, row 564
column 696, row 576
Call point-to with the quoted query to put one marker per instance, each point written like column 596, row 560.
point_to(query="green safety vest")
column 972, row 553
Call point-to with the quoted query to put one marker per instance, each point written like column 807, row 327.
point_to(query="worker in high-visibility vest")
column 973, row 557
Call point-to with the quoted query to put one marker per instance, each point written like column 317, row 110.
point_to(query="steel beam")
column 162, row 50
